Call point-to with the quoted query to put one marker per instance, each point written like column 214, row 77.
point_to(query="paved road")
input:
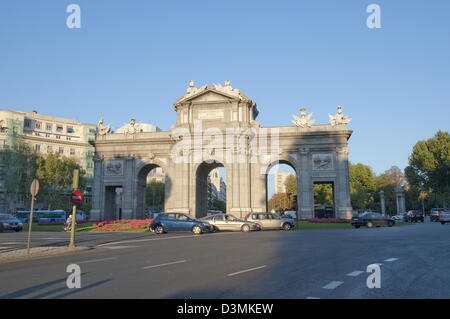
column 331, row 263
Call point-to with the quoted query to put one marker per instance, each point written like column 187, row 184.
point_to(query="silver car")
column 229, row 222
column 444, row 217
column 271, row 221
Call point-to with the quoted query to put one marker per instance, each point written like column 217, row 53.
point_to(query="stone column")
column 342, row 187
column 305, row 193
column 98, row 200
column 129, row 202
column 383, row 203
column 400, row 196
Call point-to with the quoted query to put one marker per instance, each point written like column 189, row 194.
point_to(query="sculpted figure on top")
column 339, row 118
column 102, row 129
column 303, row 120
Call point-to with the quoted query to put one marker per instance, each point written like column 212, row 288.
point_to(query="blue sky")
column 135, row 58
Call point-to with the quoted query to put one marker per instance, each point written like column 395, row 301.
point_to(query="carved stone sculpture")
column 132, row 128
column 339, row 118
column 102, row 129
column 3, row 127
column 303, row 120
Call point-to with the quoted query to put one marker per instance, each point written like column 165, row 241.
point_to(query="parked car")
column 271, row 221
column 414, row 216
column 229, row 222
column 444, row 217
column 398, row 217
column 434, row 214
column 178, row 222
column 370, row 220
column 9, row 222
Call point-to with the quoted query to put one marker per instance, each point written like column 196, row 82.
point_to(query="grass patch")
column 56, row 228
column 303, row 224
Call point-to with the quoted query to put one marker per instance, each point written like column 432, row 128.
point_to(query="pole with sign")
column 76, row 198
column 34, row 189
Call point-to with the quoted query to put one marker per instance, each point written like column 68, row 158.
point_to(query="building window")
column 72, row 152
column 59, row 128
column 68, row 138
column 47, row 135
column 58, row 137
column 27, row 123
column 48, row 127
column 70, row 129
column 49, row 149
column 36, row 133
column 37, row 147
column 61, row 150
column 38, row 125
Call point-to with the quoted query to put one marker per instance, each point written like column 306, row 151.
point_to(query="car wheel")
column 369, row 224
column 357, row 226
column 390, row 224
column 18, row 230
column 1, row 228
column 286, row 226
column 442, row 223
column 259, row 226
column 159, row 229
column 245, row 228
column 197, row 230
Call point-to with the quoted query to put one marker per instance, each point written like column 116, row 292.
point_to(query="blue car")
column 164, row 223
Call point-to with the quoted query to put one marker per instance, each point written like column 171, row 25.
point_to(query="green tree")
column 55, row 174
column 19, row 164
column 155, row 194
column 291, row 185
column 323, row 193
column 429, row 167
column 362, row 185
column 219, row 205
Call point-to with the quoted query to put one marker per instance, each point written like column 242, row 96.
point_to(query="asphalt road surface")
column 414, row 261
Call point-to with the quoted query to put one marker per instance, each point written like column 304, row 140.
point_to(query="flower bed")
column 328, row 220
column 122, row 225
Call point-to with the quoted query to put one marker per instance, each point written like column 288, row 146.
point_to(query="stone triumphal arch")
column 216, row 127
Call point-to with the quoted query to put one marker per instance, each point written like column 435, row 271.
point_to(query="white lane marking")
column 391, row 259
column 161, row 238
column 166, row 264
column 5, row 247
column 312, row 298
column 333, row 285
column 246, row 270
column 95, row 260
column 120, row 247
column 13, row 243
column 355, row 273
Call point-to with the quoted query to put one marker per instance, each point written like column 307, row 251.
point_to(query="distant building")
column 49, row 134
column 156, row 174
column 217, row 188
column 279, row 180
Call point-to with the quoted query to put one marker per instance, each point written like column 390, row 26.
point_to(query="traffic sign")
column 34, row 188
column 76, row 197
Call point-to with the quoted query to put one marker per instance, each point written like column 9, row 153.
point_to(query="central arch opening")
column 151, row 191
column 281, row 188
column 210, row 189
